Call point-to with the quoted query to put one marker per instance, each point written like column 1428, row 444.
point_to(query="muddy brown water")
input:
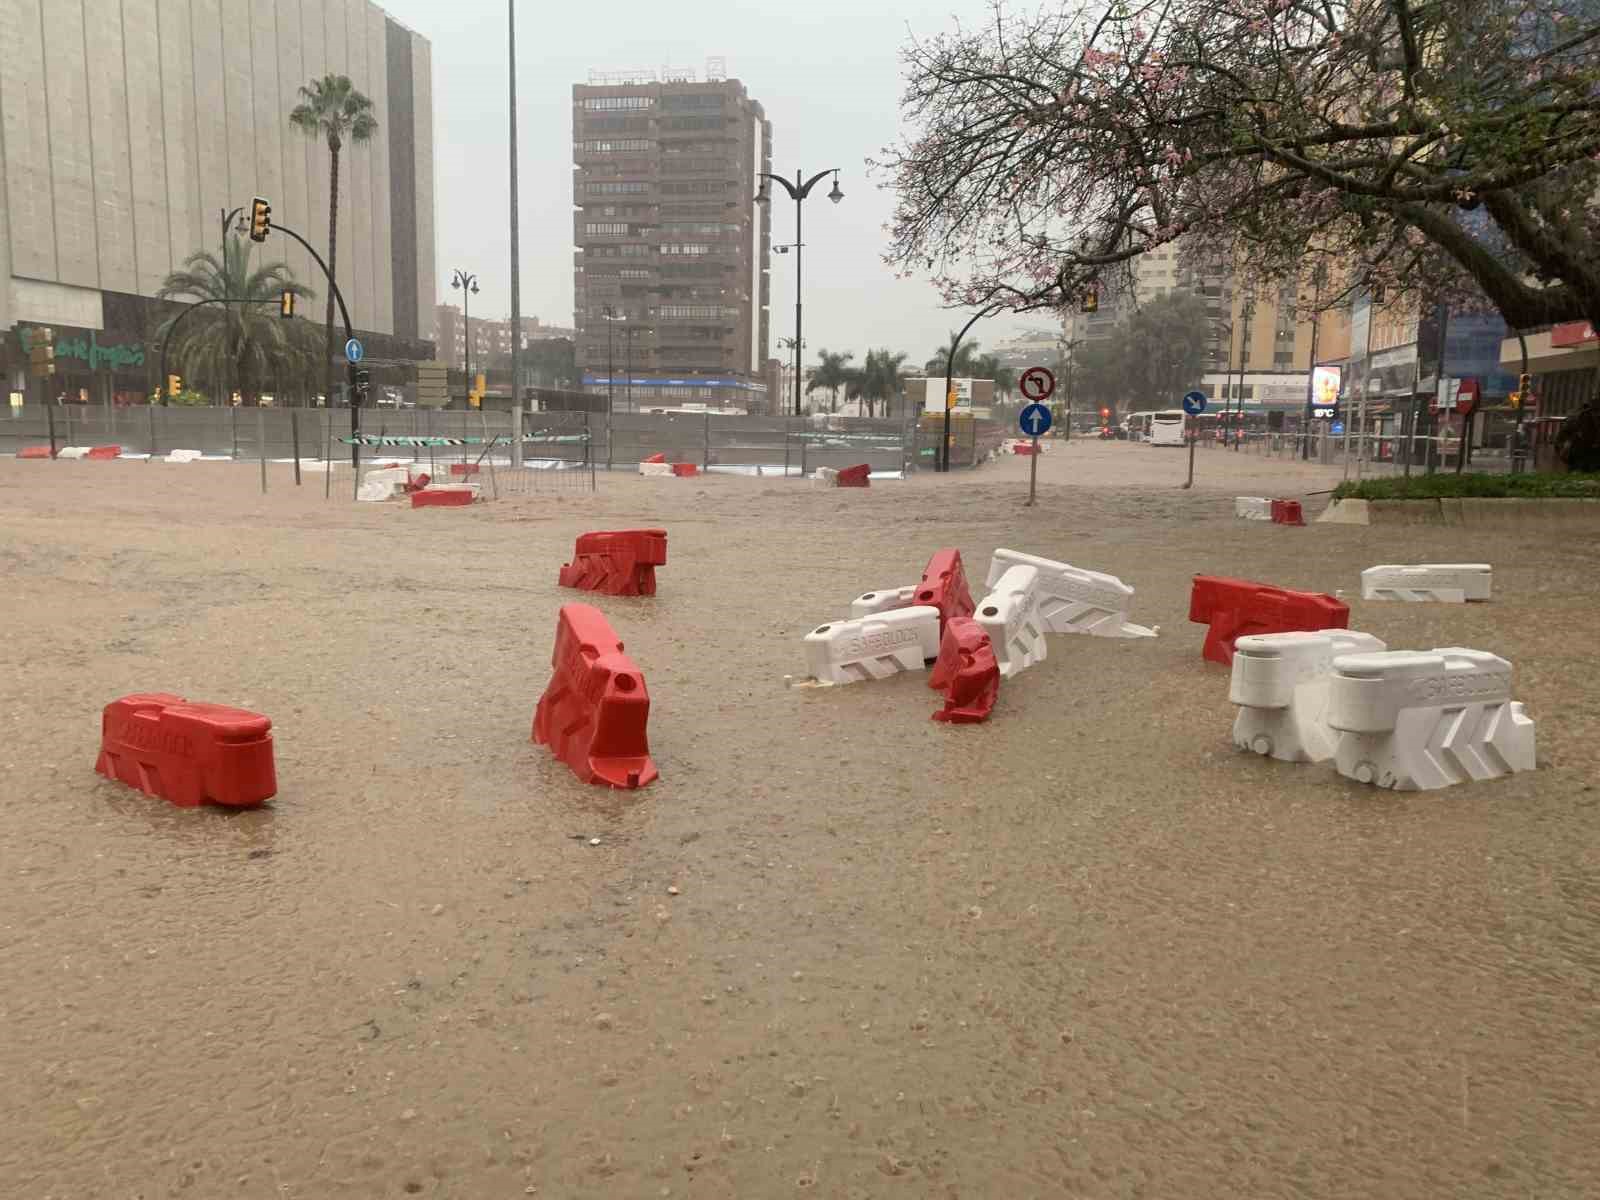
column 1083, row 950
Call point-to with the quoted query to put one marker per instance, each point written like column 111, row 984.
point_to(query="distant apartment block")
column 670, row 277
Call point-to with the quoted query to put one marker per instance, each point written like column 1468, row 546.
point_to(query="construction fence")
column 526, row 450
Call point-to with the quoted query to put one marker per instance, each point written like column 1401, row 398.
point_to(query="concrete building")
column 491, row 336
column 671, row 242
column 127, row 127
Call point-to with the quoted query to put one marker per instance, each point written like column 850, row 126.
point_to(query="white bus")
column 1166, row 427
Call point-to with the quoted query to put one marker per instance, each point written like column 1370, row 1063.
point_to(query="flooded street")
column 1084, row 950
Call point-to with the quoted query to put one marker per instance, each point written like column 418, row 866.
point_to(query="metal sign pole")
column 1033, row 473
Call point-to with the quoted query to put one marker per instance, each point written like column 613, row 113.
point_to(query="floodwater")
column 1084, row 950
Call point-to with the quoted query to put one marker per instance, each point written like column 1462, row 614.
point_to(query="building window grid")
column 612, row 103
column 616, row 146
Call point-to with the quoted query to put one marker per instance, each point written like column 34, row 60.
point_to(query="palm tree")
column 881, row 378
column 248, row 339
column 989, row 366
column 832, row 373
column 966, row 359
column 332, row 108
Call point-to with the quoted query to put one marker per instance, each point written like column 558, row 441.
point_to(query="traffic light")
column 286, row 305
column 1515, row 399
column 950, row 398
column 260, row 219
column 1104, row 413
column 1091, row 301
column 174, row 384
column 363, row 381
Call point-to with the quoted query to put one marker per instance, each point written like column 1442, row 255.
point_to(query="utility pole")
column 516, row 280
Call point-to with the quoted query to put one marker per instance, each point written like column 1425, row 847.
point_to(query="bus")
column 1166, row 427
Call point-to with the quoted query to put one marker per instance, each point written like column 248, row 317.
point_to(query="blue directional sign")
column 1194, row 403
column 353, row 351
column 1034, row 419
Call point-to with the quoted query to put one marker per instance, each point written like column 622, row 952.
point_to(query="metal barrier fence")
column 550, row 441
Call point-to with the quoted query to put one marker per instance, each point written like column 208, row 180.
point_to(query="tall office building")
column 671, row 273
column 128, row 127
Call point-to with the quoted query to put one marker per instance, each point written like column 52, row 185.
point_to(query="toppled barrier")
column 183, row 456
column 385, row 483
column 1233, row 608
column 34, row 452
column 1252, row 508
column 1450, row 583
column 1280, row 683
column 855, row 476
column 967, row 673
column 446, row 495
column 883, row 600
column 187, row 753
column 685, row 470
column 873, row 647
column 652, row 467
column 595, row 712
column 1412, row 720
column 657, row 457
column 73, row 452
column 1073, row 600
column 103, row 453
column 1287, row 512
column 825, row 477
column 944, row 586
column 616, row 562
column 1010, row 616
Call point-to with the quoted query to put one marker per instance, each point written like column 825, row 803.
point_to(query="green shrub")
column 1448, row 485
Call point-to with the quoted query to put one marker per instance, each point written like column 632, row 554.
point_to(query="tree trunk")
column 333, row 268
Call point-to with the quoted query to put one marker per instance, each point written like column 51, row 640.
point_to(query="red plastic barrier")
column 1022, row 447
column 104, row 452
column 188, row 753
column 1287, row 512
column 619, row 562
column 418, row 482
column 684, row 470
column 855, row 476
column 1236, row 607
column 34, row 452
column 441, row 497
column 944, row 586
column 967, row 672
column 657, row 457
column 464, row 468
column 594, row 712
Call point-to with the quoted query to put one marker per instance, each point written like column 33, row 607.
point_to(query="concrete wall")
column 127, row 126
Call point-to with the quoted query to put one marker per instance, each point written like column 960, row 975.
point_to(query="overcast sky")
column 827, row 73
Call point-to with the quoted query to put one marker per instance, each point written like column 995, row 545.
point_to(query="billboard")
column 1325, row 392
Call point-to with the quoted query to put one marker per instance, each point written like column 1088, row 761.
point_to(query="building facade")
column 491, row 336
column 670, row 278
column 128, row 128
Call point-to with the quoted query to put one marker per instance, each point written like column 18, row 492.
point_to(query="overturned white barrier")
column 73, row 452
column 385, row 483
column 825, row 477
column 1451, row 583
column 1010, row 616
column 883, row 600
column 1073, row 600
column 649, row 468
column 873, row 647
column 183, row 456
column 1422, row 719
column 1252, row 508
column 1280, row 683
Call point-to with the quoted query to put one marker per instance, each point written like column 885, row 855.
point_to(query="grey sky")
column 826, row 71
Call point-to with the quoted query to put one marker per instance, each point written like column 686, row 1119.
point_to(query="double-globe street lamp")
column 798, row 191
column 467, row 285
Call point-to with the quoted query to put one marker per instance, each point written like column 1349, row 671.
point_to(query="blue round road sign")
column 1194, row 403
column 1034, row 419
column 353, row 351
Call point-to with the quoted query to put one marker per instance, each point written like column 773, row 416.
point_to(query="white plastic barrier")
column 873, row 647
column 183, row 456
column 1252, row 508
column 655, row 469
column 825, row 477
column 1280, row 683
column 1410, row 719
column 1010, row 616
column 883, row 600
column 1452, row 583
column 73, row 452
column 1073, row 600
column 384, row 483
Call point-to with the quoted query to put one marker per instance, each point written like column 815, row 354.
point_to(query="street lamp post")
column 795, row 345
column 611, row 318
column 799, row 191
column 467, row 285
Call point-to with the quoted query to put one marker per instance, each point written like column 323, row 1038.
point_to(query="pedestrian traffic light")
column 260, row 219
column 174, row 384
column 1091, row 300
column 286, row 305
column 1525, row 384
